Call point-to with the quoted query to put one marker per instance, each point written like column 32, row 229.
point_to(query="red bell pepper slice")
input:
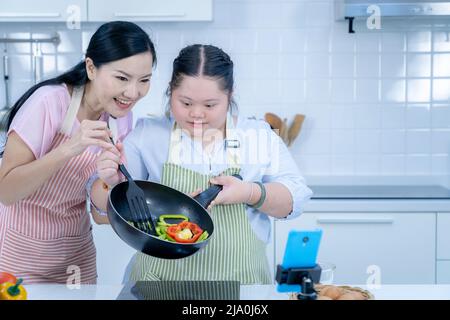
column 176, row 231
column 7, row 277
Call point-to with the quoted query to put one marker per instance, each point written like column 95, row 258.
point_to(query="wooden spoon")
column 295, row 128
column 284, row 131
column 274, row 121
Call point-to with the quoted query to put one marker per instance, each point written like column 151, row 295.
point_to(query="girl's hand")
column 108, row 164
column 234, row 190
column 90, row 133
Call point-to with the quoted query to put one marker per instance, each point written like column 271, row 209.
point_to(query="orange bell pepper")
column 184, row 232
column 11, row 291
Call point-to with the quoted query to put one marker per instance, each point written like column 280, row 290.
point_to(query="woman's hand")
column 90, row 133
column 234, row 190
column 108, row 164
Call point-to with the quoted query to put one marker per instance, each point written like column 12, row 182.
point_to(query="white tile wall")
column 376, row 102
column 441, row 92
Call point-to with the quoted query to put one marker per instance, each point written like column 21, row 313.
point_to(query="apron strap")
column 71, row 114
column 231, row 143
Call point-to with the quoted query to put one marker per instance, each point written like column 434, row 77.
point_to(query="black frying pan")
column 161, row 200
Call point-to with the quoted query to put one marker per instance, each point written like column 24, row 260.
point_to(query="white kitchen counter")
column 254, row 292
column 378, row 205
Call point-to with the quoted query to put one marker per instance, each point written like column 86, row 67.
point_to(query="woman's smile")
column 123, row 104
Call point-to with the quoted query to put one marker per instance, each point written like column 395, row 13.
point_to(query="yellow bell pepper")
column 11, row 291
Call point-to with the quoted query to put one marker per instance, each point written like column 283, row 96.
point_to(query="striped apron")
column 234, row 252
column 46, row 237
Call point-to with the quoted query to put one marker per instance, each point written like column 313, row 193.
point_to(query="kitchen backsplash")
column 376, row 102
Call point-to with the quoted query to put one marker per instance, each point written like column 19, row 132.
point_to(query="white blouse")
column 263, row 157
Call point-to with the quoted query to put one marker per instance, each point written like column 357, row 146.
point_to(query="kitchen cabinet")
column 443, row 272
column 150, row 10
column 401, row 246
column 46, row 10
column 443, row 248
column 443, row 236
column 105, row 10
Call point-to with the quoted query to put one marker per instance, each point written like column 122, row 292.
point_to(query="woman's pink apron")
column 47, row 236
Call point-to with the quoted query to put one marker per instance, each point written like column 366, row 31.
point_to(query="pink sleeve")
column 40, row 118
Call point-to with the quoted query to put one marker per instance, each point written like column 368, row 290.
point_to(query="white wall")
column 376, row 102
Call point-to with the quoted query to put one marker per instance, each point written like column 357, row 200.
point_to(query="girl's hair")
column 111, row 42
column 203, row 60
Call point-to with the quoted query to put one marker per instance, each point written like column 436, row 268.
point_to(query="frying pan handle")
column 207, row 196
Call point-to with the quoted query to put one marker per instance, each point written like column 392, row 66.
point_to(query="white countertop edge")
column 249, row 292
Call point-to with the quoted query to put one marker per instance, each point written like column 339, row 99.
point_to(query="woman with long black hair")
column 54, row 133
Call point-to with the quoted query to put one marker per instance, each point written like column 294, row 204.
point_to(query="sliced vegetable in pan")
column 180, row 232
column 162, row 218
column 184, row 232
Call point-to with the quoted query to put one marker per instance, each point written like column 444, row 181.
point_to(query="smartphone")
column 301, row 251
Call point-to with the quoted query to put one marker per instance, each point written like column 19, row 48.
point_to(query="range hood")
column 392, row 8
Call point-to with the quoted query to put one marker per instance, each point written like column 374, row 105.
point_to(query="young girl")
column 202, row 143
column 54, row 131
